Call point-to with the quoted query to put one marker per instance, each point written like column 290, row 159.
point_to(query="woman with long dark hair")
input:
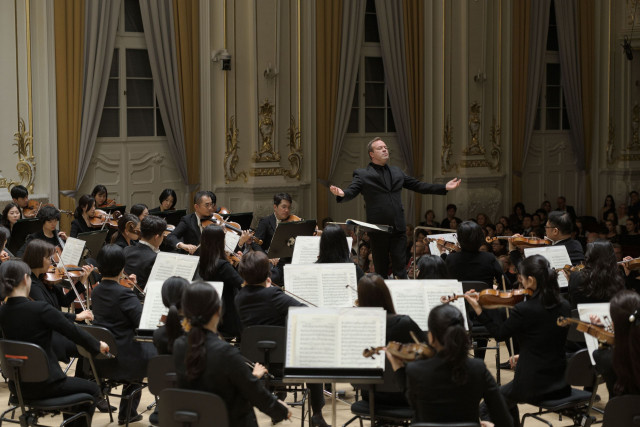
column 207, row 363
column 83, row 214
column 449, row 386
column 10, row 215
column 167, row 199
column 214, row 267
column 541, row 364
column 609, row 206
column 432, row 267
column 165, row 335
column 334, row 248
column 600, row 279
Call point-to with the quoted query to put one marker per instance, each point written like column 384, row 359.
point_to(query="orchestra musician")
column 168, row 200
column 50, row 217
column 128, row 231
column 432, row 267
column 186, row 235
column 541, row 364
column 334, row 248
column 101, row 196
column 267, row 225
column 207, row 363
column 20, row 196
column 140, row 210
column 117, row 308
column 381, row 185
column 35, row 322
column 140, row 257
column 84, row 212
column 10, row 215
column 448, row 387
column 165, row 335
column 4, row 237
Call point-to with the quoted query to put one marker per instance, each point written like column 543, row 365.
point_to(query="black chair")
column 106, row 384
column 622, row 411
column 579, row 373
column 161, row 373
column 267, row 345
column 383, row 413
column 24, row 363
column 190, row 408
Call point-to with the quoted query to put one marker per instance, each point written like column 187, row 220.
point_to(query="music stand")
column 21, row 229
column 243, row 218
column 111, row 209
column 94, row 240
column 285, row 235
column 172, row 217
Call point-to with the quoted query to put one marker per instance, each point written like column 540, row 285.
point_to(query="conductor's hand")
column 337, row 191
column 453, row 184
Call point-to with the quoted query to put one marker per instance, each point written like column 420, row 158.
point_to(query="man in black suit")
column 267, row 225
column 186, row 236
column 381, row 185
column 20, row 196
column 140, row 257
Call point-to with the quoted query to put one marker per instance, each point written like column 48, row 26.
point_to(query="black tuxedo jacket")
column 139, row 260
column 187, row 232
column 258, row 305
column 383, row 202
column 266, row 228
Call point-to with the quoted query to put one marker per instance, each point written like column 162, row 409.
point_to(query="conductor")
column 381, row 185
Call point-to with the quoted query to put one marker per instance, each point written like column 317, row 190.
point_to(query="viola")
column 491, row 298
column 233, row 259
column 601, row 334
column 406, row 352
column 57, row 274
column 292, row 218
column 108, row 203
column 522, row 242
column 101, row 218
column 632, row 264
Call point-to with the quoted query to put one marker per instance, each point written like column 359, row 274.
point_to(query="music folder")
column 172, row 217
column 243, row 218
column 21, row 229
column 94, row 241
column 284, row 238
column 369, row 227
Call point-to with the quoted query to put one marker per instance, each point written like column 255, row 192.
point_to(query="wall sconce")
column 224, row 57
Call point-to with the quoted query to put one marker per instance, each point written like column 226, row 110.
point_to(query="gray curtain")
column 350, row 48
column 540, row 10
column 101, row 24
column 157, row 19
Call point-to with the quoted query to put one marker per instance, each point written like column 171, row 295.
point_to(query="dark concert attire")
column 227, row 375
column 446, row 223
column 40, row 236
column 382, row 187
column 266, row 227
column 230, row 321
column 187, row 232
column 474, row 266
column 139, row 260
column 576, row 290
column 35, row 322
column 78, row 226
column 122, row 242
column 436, row 398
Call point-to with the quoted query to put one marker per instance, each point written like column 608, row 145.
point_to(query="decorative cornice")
column 265, row 126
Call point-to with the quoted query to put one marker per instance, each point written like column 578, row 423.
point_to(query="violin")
column 450, row 246
column 233, row 259
column 601, row 334
column 223, row 211
column 522, row 242
column 56, row 274
column 216, row 219
column 32, row 208
column 405, row 352
column 108, row 204
column 632, row 264
column 292, row 218
column 170, row 228
column 101, row 218
column 491, row 298
column 570, row 268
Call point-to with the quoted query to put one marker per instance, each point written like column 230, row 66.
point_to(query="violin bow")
column 73, row 286
column 504, row 288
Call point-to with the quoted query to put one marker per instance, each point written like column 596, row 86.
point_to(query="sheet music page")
column 72, row 251
column 409, row 298
column 218, row 286
column 601, row 310
column 324, row 285
column 231, row 240
column 169, row 264
column 153, row 308
column 361, row 328
column 307, row 249
column 557, row 256
column 303, row 281
column 436, row 289
column 366, row 224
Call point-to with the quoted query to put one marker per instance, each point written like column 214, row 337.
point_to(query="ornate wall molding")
column 265, row 127
column 447, row 142
column 295, row 149
column 496, row 145
column 611, row 143
column 474, row 148
column 26, row 165
column 231, row 154
column 635, row 129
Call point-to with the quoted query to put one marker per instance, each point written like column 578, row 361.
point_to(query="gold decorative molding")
column 475, row 163
column 265, row 126
column 632, row 6
column 630, row 156
column 474, row 147
column 635, row 129
column 273, row 171
column 447, row 141
column 611, row 146
column 295, row 150
column 231, row 154
column 495, row 133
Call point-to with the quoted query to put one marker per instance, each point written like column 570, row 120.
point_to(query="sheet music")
column 416, row 298
column 557, row 256
column 324, row 285
column 231, row 241
column 169, row 264
column 447, row 237
column 307, row 249
column 601, row 310
column 334, row 337
column 384, row 228
column 72, row 251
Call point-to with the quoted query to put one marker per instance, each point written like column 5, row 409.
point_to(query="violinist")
column 448, row 387
column 334, row 248
column 168, row 200
column 10, row 215
column 50, row 217
column 140, row 210
column 165, row 335
column 186, row 235
column 140, row 257
column 101, row 196
column 35, row 322
column 541, row 364
column 261, row 303
column 267, row 225
column 84, row 212
column 432, row 267
column 20, row 196
column 128, row 231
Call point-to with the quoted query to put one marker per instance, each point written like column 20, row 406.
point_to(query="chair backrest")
column 27, row 360
column 622, row 411
column 573, row 334
column 580, row 372
column 264, row 344
column 190, row 408
column 161, row 371
column 101, row 334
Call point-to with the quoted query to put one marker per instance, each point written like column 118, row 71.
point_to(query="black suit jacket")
column 225, row 273
column 227, row 375
column 139, row 260
column 258, row 305
column 542, row 362
column 436, row 398
column 187, row 232
column 266, row 228
column 383, row 202
column 35, row 322
column 122, row 242
column 471, row 266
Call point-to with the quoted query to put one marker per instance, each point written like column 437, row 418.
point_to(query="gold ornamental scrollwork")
column 611, row 143
column 231, row 154
column 447, row 141
column 295, row 150
column 26, row 165
column 495, row 133
column 265, row 127
column 474, row 147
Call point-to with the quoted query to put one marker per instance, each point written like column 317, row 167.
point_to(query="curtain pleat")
column 586, row 23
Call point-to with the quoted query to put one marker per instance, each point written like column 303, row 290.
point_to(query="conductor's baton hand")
column 336, row 191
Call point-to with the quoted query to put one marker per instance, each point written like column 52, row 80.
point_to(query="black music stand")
column 172, row 217
column 111, row 209
column 94, row 241
column 243, row 218
column 21, row 229
column 285, row 235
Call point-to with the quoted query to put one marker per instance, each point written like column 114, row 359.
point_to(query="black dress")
column 225, row 273
column 78, row 226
